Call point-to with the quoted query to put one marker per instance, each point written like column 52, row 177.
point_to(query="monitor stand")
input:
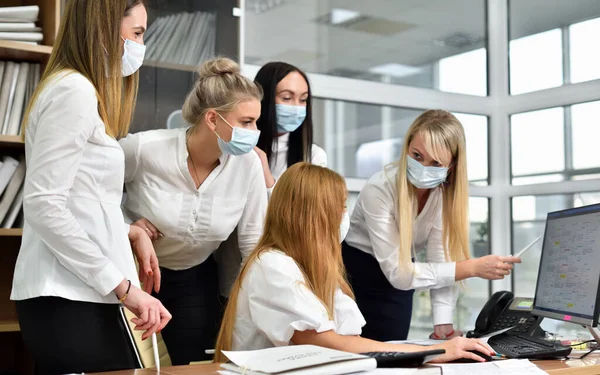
column 595, row 333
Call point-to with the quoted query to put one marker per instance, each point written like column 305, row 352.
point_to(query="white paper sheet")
column 287, row 358
column 505, row 367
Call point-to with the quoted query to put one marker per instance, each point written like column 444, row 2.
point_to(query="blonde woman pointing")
column 420, row 202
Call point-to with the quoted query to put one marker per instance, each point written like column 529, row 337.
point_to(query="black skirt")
column 192, row 297
column 386, row 309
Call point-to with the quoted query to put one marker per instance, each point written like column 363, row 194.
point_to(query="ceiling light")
column 395, row 70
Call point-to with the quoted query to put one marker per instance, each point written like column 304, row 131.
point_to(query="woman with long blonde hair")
column 293, row 289
column 75, row 264
column 419, row 202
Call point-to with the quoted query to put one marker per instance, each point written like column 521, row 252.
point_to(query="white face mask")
column 423, row 177
column 344, row 226
column 133, row 57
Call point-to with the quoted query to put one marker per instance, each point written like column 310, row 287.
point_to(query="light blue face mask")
column 423, row 177
column 289, row 117
column 242, row 140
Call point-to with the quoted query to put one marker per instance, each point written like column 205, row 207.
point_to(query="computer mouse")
column 487, row 357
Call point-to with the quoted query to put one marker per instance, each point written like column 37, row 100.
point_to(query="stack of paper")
column 182, row 38
column 17, row 82
column 18, row 24
column 296, row 360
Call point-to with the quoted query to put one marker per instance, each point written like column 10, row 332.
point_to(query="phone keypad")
column 522, row 323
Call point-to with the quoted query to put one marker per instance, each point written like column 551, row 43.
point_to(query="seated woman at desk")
column 419, row 202
column 190, row 189
column 293, row 289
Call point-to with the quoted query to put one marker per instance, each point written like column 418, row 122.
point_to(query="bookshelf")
column 165, row 82
column 13, row 355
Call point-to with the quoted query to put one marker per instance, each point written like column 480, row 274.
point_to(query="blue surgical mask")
column 242, row 140
column 289, row 117
column 423, row 177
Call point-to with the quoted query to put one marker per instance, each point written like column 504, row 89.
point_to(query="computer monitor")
column 568, row 283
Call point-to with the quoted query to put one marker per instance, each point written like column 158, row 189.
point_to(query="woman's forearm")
column 465, row 269
column 352, row 344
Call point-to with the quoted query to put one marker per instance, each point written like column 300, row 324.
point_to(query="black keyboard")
column 400, row 359
column 517, row 346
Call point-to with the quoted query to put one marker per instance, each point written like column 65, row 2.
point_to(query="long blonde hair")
column 220, row 86
column 89, row 43
column 303, row 221
column 441, row 133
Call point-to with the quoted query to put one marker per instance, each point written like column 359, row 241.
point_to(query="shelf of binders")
column 11, row 141
column 9, row 326
column 24, row 52
column 170, row 65
column 12, row 232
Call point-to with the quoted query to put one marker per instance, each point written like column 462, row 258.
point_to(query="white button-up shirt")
column 75, row 242
column 374, row 230
column 193, row 221
column 274, row 302
column 279, row 161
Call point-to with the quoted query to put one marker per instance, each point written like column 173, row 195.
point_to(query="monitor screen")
column 569, row 274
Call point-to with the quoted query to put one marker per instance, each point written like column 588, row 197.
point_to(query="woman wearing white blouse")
column 285, row 123
column 293, row 290
column 420, row 202
column 75, row 263
column 190, row 189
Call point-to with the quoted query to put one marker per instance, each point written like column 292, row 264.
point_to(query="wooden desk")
column 587, row 366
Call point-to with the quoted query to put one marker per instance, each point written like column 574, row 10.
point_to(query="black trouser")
column 192, row 297
column 386, row 309
column 67, row 336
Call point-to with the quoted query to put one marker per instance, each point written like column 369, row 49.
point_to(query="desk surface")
column 589, row 365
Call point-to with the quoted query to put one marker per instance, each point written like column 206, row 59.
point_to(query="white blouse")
column 374, row 230
column 193, row 221
column 274, row 302
column 279, row 161
column 75, row 242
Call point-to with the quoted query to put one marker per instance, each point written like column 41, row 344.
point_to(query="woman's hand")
column 148, row 228
column 151, row 315
column 444, row 332
column 459, row 347
column 149, row 271
column 494, row 267
column 269, row 179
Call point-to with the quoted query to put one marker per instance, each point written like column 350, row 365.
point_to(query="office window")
column 552, row 42
column 584, row 58
column 360, row 139
column 398, row 42
column 569, row 147
column 475, row 292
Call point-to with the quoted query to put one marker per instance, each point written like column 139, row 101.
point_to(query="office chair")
column 143, row 349
column 175, row 120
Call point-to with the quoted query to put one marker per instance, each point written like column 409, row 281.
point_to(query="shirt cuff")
column 446, row 274
column 107, row 279
column 443, row 315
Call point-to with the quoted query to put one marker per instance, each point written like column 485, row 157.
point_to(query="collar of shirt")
column 183, row 156
column 282, row 143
